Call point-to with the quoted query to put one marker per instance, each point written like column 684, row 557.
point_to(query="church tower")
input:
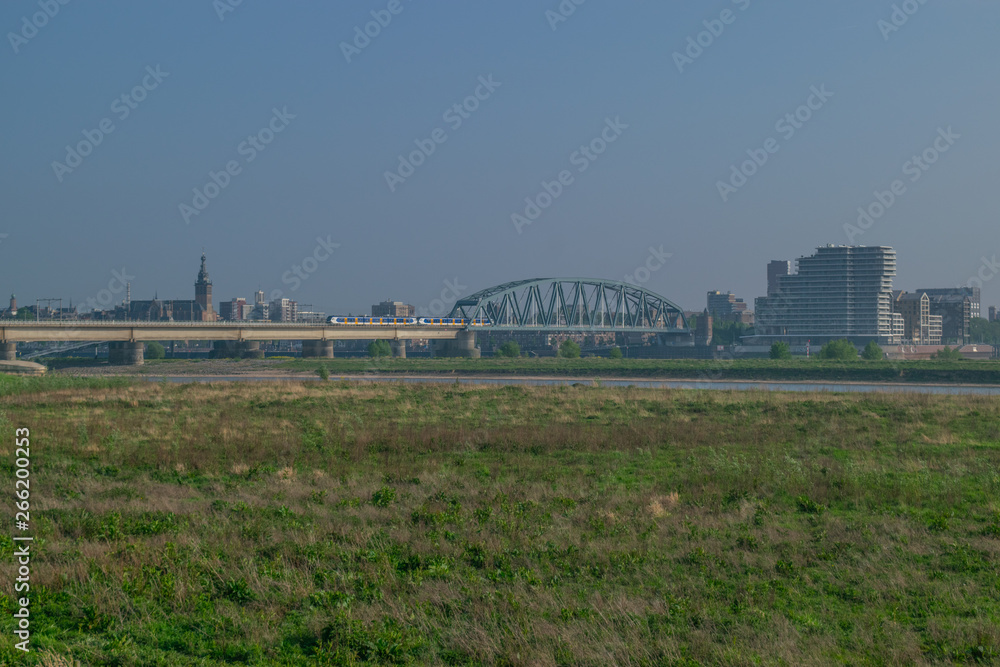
column 203, row 291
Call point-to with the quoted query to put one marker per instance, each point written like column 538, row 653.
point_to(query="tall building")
column 920, row 327
column 775, row 270
column 726, row 306
column 955, row 311
column 392, row 309
column 234, row 310
column 972, row 292
column 993, row 313
column 838, row 292
column 13, row 306
column 261, row 310
column 203, row 291
column 284, row 310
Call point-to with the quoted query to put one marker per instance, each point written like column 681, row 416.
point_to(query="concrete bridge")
column 125, row 339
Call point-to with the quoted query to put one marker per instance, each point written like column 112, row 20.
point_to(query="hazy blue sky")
column 323, row 175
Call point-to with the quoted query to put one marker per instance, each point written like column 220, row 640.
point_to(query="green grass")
column 973, row 372
column 328, row 523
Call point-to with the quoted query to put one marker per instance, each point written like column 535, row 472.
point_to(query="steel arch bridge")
column 573, row 304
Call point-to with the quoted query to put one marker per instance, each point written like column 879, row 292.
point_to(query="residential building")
column 283, row 310
column 972, row 292
column 838, row 292
column 919, row 326
column 392, row 309
column 775, row 270
column 235, row 310
column 725, row 306
column 955, row 311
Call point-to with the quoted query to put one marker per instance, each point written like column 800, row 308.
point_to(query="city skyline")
column 860, row 133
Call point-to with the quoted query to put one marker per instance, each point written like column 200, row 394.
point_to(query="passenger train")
column 409, row 321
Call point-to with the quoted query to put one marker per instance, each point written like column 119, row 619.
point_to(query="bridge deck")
column 150, row 331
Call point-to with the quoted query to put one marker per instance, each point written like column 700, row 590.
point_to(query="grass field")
column 316, row 523
column 970, row 372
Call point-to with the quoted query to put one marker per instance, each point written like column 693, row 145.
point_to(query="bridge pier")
column 8, row 351
column 463, row 346
column 398, row 348
column 322, row 349
column 126, row 353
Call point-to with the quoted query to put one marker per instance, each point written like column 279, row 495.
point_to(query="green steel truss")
column 573, row 304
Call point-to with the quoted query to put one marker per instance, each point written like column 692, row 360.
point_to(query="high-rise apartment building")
column 775, row 270
column 838, row 292
column 284, row 310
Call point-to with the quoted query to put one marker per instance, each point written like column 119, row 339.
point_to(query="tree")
column 872, row 351
column 155, row 351
column 323, row 372
column 379, row 348
column 728, row 332
column 947, row 354
column 616, row 353
column 569, row 350
column 842, row 350
column 781, row 350
column 983, row 331
column 509, row 349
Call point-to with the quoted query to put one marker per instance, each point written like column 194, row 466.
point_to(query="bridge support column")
column 463, row 346
column 126, row 353
column 398, row 348
column 8, row 351
column 249, row 349
column 317, row 349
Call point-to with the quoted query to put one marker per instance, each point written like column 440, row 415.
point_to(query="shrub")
column 781, row 350
column 155, row 351
column 947, row 354
column 616, row 353
column 872, row 351
column 509, row 349
column 842, row 349
column 569, row 350
column 379, row 348
column 323, row 373
column 384, row 496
